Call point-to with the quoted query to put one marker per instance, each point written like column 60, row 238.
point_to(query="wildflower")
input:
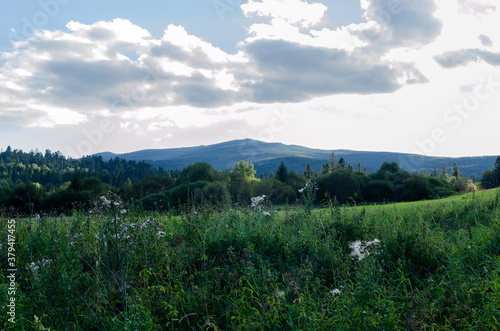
column 266, row 213
column 335, row 292
column 280, row 293
column 105, row 201
column 161, row 234
column 257, row 200
column 32, row 266
column 123, row 211
column 359, row 249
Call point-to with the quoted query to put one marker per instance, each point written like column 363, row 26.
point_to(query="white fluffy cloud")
column 405, row 52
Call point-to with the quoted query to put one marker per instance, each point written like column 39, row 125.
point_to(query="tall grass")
column 437, row 266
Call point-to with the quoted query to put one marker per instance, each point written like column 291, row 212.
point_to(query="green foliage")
column 491, row 177
column 282, row 173
column 342, row 183
column 240, row 180
column 198, row 171
column 182, row 195
column 213, row 194
column 53, row 169
column 276, row 191
column 379, row 190
column 415, row 188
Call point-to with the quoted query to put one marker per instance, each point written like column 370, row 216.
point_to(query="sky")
column 83, row 77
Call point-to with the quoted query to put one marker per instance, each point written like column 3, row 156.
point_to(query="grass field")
column 428, row 265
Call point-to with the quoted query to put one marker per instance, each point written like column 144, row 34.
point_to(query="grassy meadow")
column 428, row 265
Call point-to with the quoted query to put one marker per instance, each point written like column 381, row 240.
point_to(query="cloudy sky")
column 416, row 76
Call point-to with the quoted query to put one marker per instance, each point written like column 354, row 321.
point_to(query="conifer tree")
column 308, row 172
column 333, row 161
column 444, row 173
column 325, row 169
column 455, row 171
column 341, row 163
column 282, row 173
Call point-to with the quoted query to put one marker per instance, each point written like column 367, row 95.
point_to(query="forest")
column 50, row 182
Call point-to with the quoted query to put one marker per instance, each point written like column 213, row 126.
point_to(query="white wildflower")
column 335, row 292
column 105, row 202
column 32, row 266
column 123, row 211
column 280, row 293
column 360, row 249
column 257, row 200
column 161, row 234
column 266, row 213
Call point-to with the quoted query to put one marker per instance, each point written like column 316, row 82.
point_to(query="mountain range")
column 267, row 157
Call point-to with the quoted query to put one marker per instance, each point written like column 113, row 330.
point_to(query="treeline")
column 32, row 182
column 491, row 177
column 51, row 170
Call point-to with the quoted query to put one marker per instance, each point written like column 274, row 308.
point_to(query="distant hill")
column 268, row 156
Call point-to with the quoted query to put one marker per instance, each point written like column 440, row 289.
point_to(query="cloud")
column 400, row 23
column 297, row 73
column 292, row 54
column 477, row 7
column 458, row 58
column 295, row 12
column 485, row 40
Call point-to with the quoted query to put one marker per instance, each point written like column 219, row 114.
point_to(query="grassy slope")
column 437, row 267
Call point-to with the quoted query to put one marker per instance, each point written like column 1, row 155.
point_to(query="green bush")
column 276, row 191
column 343, row 184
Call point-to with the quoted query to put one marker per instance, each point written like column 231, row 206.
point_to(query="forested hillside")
column 51, row 182
column 53, row 169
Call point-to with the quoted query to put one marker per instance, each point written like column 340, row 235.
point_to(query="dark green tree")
column 496, row 172
column 455, row 171
column 282, row 173
column 325, row 169
column 341, row 163
column 435, row 173
column 308, row 172
column 76, row 183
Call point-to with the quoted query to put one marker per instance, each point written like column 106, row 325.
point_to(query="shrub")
column 378, row 190
column 343, row 184
column 276, row 191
